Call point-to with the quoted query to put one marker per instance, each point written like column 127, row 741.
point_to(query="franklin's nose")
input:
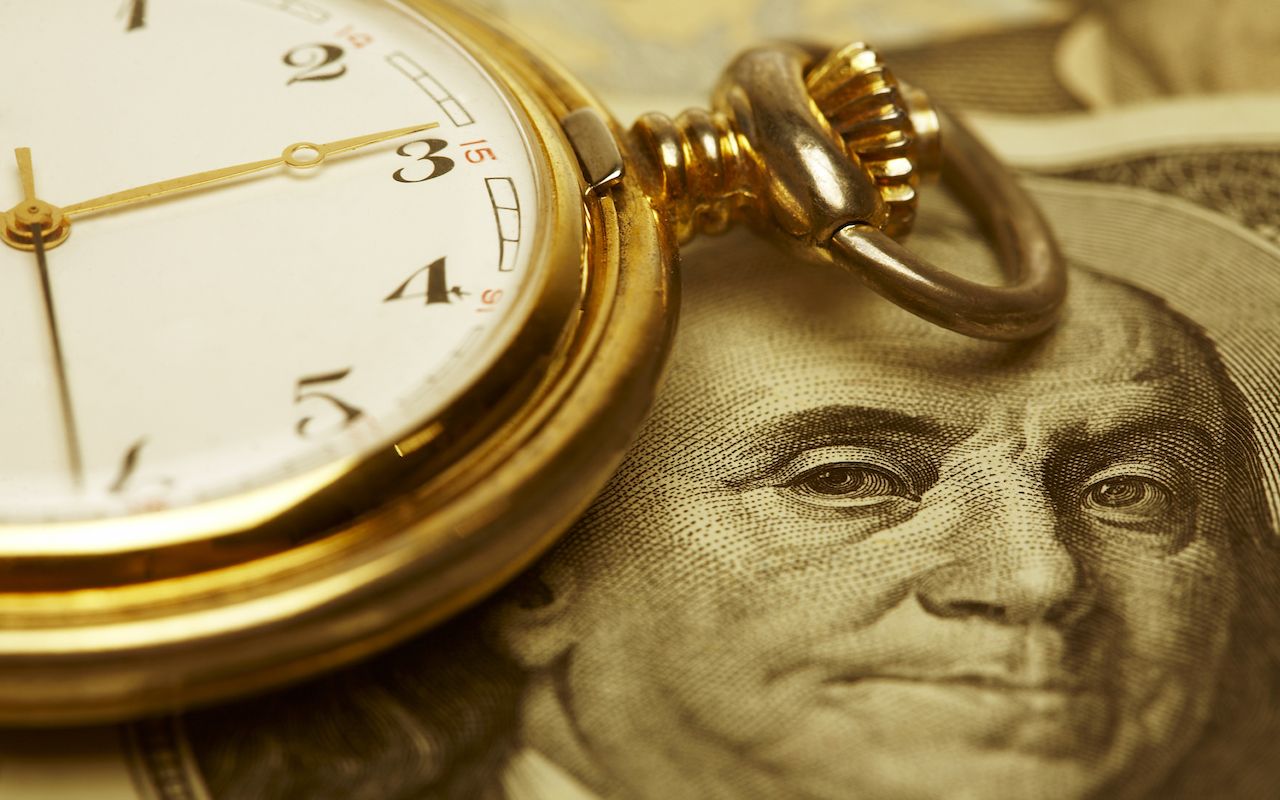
column 1011, row 565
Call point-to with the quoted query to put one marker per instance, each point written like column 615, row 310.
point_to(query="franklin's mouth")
column 984, row 699
column 1009, row 683
column 999, row 682
column 1047, row 714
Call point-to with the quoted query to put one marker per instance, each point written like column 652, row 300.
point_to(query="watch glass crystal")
column 210, row 342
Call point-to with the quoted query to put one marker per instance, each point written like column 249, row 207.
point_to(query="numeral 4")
column 436, row 291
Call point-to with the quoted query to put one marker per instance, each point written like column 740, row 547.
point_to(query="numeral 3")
column 438, row 165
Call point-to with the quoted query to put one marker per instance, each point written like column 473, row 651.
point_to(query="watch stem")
column 706, row 169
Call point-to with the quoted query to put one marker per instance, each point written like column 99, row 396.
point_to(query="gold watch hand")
column 302, row 155
column 37, row 226
column 26, row 173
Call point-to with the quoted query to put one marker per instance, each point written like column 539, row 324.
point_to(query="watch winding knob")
column 782, row 115
column 889, row 127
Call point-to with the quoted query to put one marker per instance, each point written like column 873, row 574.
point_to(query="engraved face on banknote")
column 857, row 556
column 851, row 556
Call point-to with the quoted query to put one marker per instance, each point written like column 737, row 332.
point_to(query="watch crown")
column 888, row 126
column 805, row 150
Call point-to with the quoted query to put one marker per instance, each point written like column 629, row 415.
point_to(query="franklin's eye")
column 1128, row 498
column 850, row 485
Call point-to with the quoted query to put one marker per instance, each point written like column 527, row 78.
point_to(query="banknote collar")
column 530, row 775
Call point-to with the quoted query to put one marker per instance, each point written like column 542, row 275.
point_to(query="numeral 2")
column 309, row 389
column 318, row 62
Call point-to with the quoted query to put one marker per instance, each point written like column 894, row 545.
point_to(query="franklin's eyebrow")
column 849, row 419
column 812, row 427
column 1157, row 426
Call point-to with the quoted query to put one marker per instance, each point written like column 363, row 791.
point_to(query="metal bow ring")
column 828, row 151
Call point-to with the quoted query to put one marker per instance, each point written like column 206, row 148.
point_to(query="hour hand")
column 303, row 155
column 31, row 223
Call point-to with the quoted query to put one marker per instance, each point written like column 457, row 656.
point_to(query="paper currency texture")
column 663, row 46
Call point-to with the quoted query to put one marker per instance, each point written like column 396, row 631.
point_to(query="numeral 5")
column 309, row 389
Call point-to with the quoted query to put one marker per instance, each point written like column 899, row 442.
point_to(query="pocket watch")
column 264, row 419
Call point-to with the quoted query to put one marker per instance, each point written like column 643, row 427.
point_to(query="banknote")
column 850, row 555
column 855, row 556
column 1027, row 56
column 1104, row 54
column 672, row 50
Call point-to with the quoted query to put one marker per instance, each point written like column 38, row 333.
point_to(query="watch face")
column 212, row 342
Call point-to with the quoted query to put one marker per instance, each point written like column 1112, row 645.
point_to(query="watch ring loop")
column 1028, row 306
column 830, row 158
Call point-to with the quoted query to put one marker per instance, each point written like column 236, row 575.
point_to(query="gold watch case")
column 110, row 619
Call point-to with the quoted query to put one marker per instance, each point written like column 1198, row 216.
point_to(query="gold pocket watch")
column 264, row 419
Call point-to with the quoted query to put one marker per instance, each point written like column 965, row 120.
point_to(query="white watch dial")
column 228, row 338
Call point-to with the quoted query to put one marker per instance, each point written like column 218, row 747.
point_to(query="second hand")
column 37, row 230
column 64, row 387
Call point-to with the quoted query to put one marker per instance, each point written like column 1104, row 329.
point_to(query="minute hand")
column 302, row 155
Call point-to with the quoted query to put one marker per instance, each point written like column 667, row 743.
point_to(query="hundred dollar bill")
column 853, row 555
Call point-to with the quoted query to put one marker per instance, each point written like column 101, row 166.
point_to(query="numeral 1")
column 127, row 467
column 137, row 14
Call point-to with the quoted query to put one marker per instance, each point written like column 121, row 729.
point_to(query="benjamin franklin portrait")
column 852, row 556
